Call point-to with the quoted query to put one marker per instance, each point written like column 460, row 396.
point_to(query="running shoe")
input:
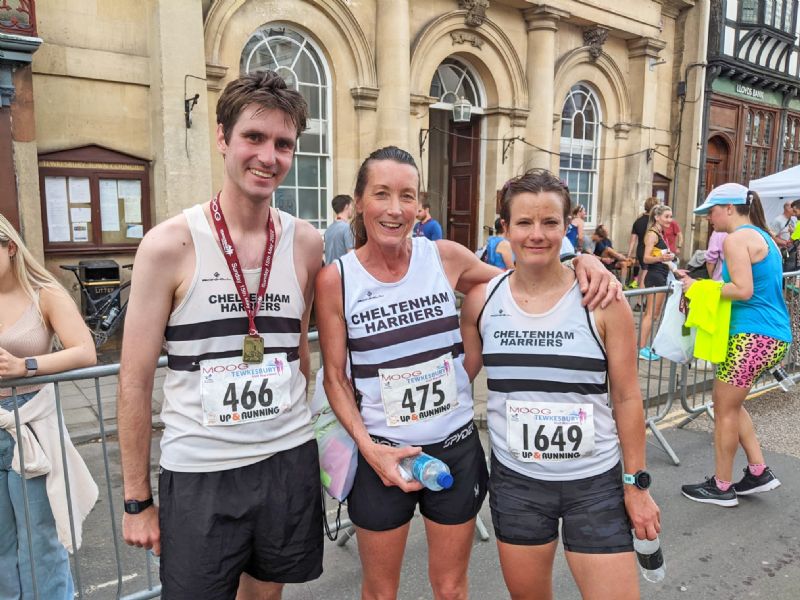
column 708, row 493
column 750, row 484
column 647, row 354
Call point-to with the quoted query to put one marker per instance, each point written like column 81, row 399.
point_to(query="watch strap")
column 31, row 366
column 134, row 507
column 629, row 479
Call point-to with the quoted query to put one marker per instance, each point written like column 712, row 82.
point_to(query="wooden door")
column 717, row 163
column 462, row 204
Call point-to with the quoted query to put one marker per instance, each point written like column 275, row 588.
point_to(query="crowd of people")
column 239, row 469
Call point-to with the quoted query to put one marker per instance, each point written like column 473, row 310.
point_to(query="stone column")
column 393, row 59
column 181, row 155
column 542, row 24
column 643, row 85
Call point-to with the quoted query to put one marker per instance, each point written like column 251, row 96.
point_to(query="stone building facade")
column 118, row 103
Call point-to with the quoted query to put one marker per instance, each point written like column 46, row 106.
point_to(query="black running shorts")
column 525, row 511
column 264, row 519
column 373, row 506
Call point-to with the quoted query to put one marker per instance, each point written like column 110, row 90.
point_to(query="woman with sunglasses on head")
column 553, row 367
column 389, row 309
column 760, row 335
column 35, row 308
column 658, row 258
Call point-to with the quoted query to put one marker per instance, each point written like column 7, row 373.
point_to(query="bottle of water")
column 651, row 560
column 782, row 377
column 429, row 471
column 109, row 318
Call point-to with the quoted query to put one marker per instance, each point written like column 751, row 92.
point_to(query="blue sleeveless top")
column 765, row 312
column 493, row 257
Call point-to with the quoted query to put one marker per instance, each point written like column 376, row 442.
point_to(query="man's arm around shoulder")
column 152, row 295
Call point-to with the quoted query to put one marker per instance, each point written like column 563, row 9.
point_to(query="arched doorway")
column 454, row 152
column 717, row 163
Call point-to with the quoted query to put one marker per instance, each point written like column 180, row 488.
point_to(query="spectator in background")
column 427, row 226
column 338, row 237
column 658, row 257
column 575, row 228
column 674, row 237
column 604, row 250
column 783, row 226
column 715, row 254
column 35, row 309
column 637, row 239
column 498, row 249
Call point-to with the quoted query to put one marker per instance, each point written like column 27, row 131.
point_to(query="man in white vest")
column 227, row 286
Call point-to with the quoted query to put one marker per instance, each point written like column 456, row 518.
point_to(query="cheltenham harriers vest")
column 219, row 412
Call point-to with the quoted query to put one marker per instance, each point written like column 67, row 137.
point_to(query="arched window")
column 304, row 192
column 454, row 80
column 580, row 146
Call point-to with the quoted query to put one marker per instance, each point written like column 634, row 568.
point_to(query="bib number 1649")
column 542, row 442
column 248, row 397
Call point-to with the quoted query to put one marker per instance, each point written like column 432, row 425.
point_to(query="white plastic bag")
column 338, row 455
column 673, row 341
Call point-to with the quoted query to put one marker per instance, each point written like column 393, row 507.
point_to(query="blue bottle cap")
column 445, row 480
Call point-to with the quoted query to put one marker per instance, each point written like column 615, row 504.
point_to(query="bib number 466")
column 434, row 388
column 249, row 397
column 542, row 442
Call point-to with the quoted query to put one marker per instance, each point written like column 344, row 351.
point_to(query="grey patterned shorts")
column 526, row 511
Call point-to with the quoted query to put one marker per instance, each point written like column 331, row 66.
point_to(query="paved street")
column 747, row 552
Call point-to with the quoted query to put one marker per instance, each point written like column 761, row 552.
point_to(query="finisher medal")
column 253, row 349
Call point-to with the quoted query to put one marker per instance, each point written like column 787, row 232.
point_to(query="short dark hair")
column 498, row 225
column 268, row 90
column 340, row 202
column 425, row 205
column 796, row 204
column 534, row 181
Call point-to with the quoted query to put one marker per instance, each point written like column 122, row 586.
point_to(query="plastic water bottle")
column 783, row 378
column 429, row 471
column 105, row 324
column 651, row 560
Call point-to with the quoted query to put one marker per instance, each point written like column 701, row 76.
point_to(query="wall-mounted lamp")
column 188, row 105
column 654, row 62
column 462, row 110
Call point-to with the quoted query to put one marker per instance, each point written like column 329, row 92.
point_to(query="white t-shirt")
column 782, row 226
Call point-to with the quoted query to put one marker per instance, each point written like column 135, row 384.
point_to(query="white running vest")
column 204, row 338
column 407, row 350
column 548, row 406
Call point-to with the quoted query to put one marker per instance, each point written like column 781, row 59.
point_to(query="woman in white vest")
column 558, row 450
column 389, row 307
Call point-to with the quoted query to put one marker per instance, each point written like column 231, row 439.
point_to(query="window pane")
column 311, row 94
column 285, row 200
column 309, row 142
column 577, row 126
column 309, row 204
column 305, row 70
column 308, row 171
column 749, row 11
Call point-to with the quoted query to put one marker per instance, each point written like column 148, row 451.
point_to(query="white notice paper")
column 80, row 215
column 79, row 190
column 80, row 232
column 135, row 232
column 109, row 205
column 130, row 191
column 55, row 193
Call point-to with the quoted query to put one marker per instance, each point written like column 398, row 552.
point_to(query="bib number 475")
column 434, row 389
column 248, row 398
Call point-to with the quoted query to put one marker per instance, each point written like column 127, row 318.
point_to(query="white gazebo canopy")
column 777, row 189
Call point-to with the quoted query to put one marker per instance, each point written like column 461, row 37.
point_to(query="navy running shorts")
column 263, row 519
column 525, row 511
column 373, row 506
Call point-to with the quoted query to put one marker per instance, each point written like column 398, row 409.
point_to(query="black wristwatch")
column 641, row 479
column 31, row 366
column 134, row 507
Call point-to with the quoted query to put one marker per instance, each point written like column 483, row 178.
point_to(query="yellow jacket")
column 710, row 313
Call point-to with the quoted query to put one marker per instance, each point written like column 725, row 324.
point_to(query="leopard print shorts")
column 749, row 355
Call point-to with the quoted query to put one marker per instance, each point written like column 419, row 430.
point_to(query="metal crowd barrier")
column 663, row 384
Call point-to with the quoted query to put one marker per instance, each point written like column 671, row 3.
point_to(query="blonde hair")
column 657, row 211
column 30, row 275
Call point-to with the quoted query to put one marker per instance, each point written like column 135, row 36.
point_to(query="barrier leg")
column 346, row 535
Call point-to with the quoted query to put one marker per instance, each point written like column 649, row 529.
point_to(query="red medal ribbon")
column 235, row 266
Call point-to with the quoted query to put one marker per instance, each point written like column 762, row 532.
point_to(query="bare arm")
column 650, row 241
column 473, row 358
column 338, row 389
column 504, row 250
column 153, row 289
column 308, row 261
column 632, row 245
column 615, row 325
column 61, row 314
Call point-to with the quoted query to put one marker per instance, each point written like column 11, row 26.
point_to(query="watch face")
column 31, row 364
column 643, row 480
